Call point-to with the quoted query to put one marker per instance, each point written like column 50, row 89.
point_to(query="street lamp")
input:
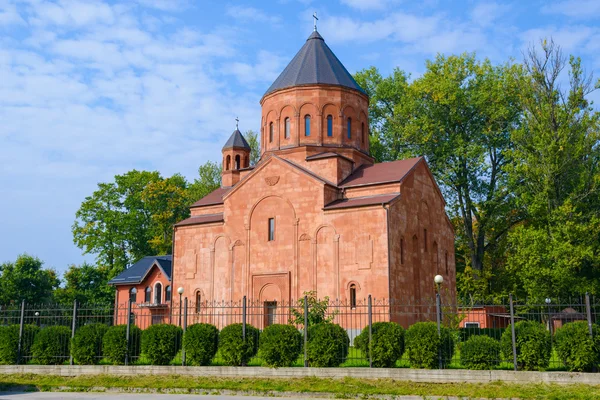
column 37, row 319
column 548, row 302
column 438, row 279
column 180, row 291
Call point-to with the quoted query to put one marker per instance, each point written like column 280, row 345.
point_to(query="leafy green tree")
column 25, row 279
column 86, row 284
column 209, row 179
column 254, row 142
column 317, row 310
column 556, row 176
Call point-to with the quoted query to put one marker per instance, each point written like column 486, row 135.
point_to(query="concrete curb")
column 402, row 374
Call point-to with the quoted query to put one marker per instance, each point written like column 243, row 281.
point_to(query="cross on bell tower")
column 316, row 19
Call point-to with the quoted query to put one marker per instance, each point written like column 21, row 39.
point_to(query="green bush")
column 494, row 333
column 280, row 345
column 387, row 346
column 328, row 345
column 424, row 346
column 234, row 349
column 51, row 345
column 86, row 345
column 200, row 342
column 114, row 343
column 9, row 342
column 161, row 342
column 574, row 346
column 532, row 342
column 480, row 352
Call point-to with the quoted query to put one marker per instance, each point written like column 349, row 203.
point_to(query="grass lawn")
column 339, row 388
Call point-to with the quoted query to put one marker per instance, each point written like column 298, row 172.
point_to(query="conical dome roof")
column 236, row 140
column 315, row 63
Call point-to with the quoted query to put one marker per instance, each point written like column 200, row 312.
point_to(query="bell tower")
column 236, row 156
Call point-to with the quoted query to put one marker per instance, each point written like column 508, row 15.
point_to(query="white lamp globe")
column 180, row 290
column 438, row 279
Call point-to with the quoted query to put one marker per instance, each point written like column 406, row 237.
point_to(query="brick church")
column 316, row 213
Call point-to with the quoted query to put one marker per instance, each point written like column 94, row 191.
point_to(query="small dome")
column 236, row 140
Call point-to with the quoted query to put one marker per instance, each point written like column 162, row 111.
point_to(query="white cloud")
column 9, row 15
column 368, row 4
column 583, row 9
column 267, row 68
column 573, row 39
column 243, row 13
column 485, row 13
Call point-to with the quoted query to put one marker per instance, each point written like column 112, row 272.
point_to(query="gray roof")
column 138, row 271
column 236, row 140
column 315, row 63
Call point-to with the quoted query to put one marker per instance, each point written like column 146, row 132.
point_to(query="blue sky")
column 93, row 89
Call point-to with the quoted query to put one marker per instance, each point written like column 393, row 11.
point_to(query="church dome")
column 314, row 64
column 236, row 140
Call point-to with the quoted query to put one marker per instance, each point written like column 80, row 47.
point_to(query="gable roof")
column 361, row 201
column 138, row 271
column 385, row 172
column 315, row 63
column 328, row 154
column 201, row 219
column 236, row 140
column 213, row 198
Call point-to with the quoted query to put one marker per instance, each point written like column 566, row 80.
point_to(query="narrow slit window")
column 349, row 128
column 353, row 296
column 425, row 239
column 271, row 229
column 287, row 128
column 329, row 126
column 362, row 132
column 237, row 162
column 132, row 295
column 148, row 295
column 307, row 125
column 158, row 294
column 198, row 301
column 446, row 262
column 270, row 132
column 168, row 293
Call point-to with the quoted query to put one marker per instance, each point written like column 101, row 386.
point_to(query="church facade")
column 316, row 213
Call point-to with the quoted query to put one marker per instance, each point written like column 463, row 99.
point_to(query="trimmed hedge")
column 532, row 342
column 424, row 346
column 574, row 346
column 328, row 345
column 201, row 342
column 86, row 345
column 494, row 333
column 480, row 352
column 161, row 342
column 114, row 343
column 280, row 345
column 9, row 342
column 236, row 351
column 387, row 346
column 51, row 345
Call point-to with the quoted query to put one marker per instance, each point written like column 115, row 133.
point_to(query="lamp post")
column 37, row 317
column 438, row 279
column 548, row 302
column 180, row 291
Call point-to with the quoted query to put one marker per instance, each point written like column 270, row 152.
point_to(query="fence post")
column 370, row 313
column 588, row 311
column 127, row 332
column 185, row 317
column 73, row 327
column 244, row 318
column 21, row 323
column 305, row 331
column 512, row 331
column 438, row 309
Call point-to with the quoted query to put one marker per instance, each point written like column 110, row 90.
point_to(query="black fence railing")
column 461, row 319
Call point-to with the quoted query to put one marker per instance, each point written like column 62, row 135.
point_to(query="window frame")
column 271, row 134
column 198, row 307
column 352, row 290
column 158, row 293
column 168, row 293
column 349, row 127
column 271, row 230
column 148, row 294
column 133, row 293
column 330, row 125
column 287, row 127
column 307, row 125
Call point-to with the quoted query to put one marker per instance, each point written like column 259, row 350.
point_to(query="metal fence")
column 463, row 319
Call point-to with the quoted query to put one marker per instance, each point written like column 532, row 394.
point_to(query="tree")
column 25, row 279
column 86, row 284
column 317, row 310
column 209, row 179
column 556, row 176
column 254, row 142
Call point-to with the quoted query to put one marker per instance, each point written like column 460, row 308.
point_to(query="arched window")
column 198, row 301
column 228, row 163
column 362, row 132
column 287, row 128
column 329, row 126
column 158, row 293
column 270, row 132
column 168, row 293
column 246, row 163
column 353, row 296
column 237, row 162
column 307, row 125
column 132, row 295
column 349, row 128
column 148, row 295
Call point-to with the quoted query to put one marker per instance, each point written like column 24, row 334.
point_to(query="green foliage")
column 317, row 310
column 480, row 352
column 234, row 350
column 209, row 179
column 574, row 346
column 200, row 342
column 494, row 333
column 532, row 342
column 51, row 345
column 26, row 280
column 254, row 141
column 424, row 346
column 86, row 345
column 280, row 345
column 328, row 345
column 161, row 342
column 87, row 284
column 9, row 342
column 387, row 346
column 114, row 343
